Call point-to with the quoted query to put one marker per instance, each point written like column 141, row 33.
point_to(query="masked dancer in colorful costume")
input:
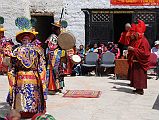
column 27, row 76
column 5, row 49
column 55, row 71
column 138, row 57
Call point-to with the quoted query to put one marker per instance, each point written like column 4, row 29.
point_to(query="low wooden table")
column 121, row 68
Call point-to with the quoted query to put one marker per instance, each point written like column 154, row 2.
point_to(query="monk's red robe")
column 124, row 40
column 138, row 68
column 68, row 70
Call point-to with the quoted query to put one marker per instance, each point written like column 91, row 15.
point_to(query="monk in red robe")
column 70, row 52
column 124, row 39
column 138, row 57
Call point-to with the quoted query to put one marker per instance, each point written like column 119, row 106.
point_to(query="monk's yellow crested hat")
column 57, row 24
column 2, row 28
column 21, row 34
column 1, row 24
column 34, row 31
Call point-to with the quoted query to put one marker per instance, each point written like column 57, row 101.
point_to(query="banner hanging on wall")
column 135, row 2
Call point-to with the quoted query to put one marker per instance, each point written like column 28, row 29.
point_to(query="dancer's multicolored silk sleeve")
column 42, row 74
column 8, row 50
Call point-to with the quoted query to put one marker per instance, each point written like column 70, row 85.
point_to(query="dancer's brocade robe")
column 5, row 52
column 27, row 80
column 55, row 71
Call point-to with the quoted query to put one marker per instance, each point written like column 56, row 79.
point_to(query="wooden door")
column 99, row 27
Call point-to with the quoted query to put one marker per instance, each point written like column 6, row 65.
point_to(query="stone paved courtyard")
column 114, row 104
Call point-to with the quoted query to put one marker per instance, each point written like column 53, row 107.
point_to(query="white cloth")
column 157, row 42
column 156, row 51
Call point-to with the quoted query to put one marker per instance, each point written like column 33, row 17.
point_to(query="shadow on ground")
column 123, row 89
column 4, row 109
column 156, row 104
column 150, row 77
column 119, row 83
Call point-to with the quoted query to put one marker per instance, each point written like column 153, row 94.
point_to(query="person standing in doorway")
column 124, row 39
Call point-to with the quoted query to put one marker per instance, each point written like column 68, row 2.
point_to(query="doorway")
column 44, row 27
column 119, row 21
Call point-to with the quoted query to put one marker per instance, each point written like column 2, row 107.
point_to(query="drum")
column 76, row 59
column 66, row 40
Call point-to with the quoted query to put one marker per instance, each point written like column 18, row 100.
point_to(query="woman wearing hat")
column 27, row 77
column 55, row 71
column 156, row 48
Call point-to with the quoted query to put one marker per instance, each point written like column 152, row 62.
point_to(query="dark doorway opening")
column 44, row 27
column 119, row 21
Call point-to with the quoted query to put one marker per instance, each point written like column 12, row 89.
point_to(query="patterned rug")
column 82, row 94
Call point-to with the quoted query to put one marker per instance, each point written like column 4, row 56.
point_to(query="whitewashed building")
column 91, row 21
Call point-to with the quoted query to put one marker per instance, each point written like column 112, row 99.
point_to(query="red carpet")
column 82, row 94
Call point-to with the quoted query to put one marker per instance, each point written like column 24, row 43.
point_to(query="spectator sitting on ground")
column 156, row 48
column 116, row 51
column 13, row 115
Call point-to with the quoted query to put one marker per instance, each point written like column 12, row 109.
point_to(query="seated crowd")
column 100, row 49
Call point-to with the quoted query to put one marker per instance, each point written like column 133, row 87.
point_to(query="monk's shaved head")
column 127, row 26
